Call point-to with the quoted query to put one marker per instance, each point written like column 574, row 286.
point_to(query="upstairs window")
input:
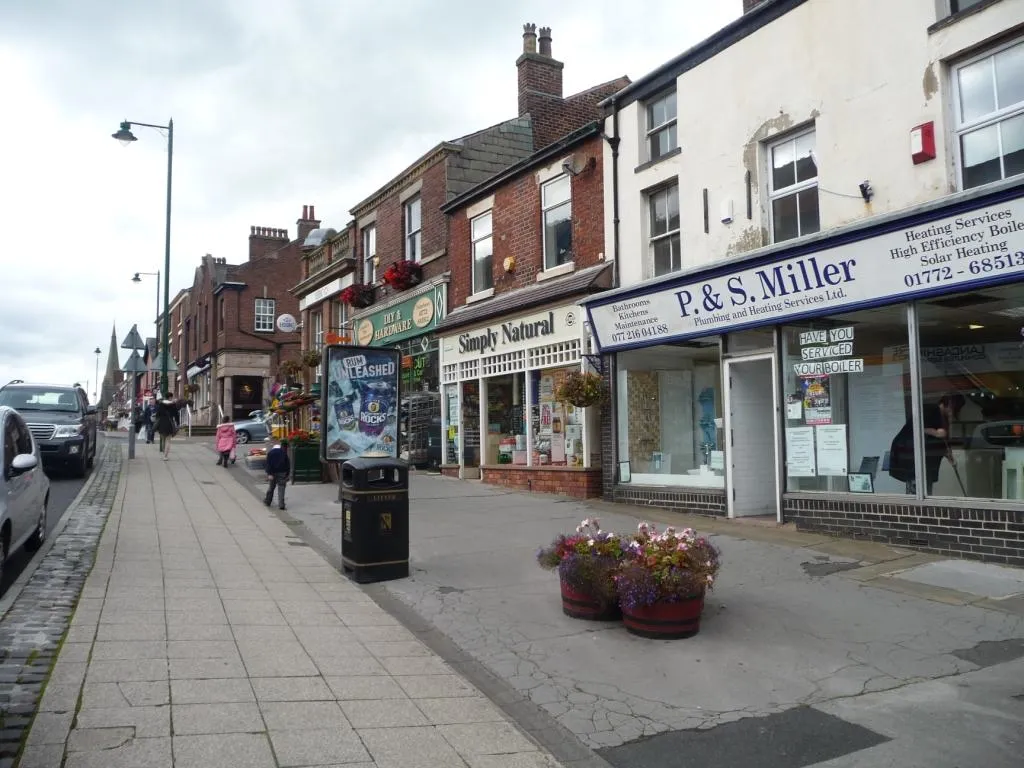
column 413, row 229
column 793, row 187
column 956, row 6
column 661, row 126
column 483, row 252
column 990, row 115
column 556, row 202
column 666, row 253
column 369, row 255
column 265, row 313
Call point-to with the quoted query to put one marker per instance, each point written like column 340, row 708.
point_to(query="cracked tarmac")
column 785, row 627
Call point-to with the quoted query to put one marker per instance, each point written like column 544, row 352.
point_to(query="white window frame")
column 653, row 238
column 947, row 7
column 545, row 209
column 474, row 242
column 413, row 237
column 263, row 320
column 792, row 189
column 654, row 130
column 316, row 329
column 369, row 272
column 992, row 118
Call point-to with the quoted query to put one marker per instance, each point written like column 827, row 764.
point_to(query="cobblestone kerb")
column 32, row 630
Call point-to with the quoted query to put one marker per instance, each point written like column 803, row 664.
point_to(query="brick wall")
column 517, row 229
column 991, row 535
column 564, row 481
column 695, row 501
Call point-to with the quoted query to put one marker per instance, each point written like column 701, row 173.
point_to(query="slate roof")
column 589, row 280
column 485, row 153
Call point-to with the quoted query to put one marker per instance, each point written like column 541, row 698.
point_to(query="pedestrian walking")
column 226, row 439
column 149, row 419
column 279, row 468
column 166, row 423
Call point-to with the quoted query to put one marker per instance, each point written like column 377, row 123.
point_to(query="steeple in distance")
column 113, row 375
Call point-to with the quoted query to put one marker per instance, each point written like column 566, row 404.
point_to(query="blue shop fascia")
column 866, row 381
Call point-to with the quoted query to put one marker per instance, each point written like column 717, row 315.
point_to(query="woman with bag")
column 166, row 425
column 226, row 440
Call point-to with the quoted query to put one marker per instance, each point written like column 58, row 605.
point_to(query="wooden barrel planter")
column 579, row 605
column 665, row 621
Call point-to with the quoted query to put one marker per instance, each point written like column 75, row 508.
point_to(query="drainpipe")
column 613, row 142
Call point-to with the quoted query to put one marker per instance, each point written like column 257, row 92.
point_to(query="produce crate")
column 256, row 462
column 306, row 466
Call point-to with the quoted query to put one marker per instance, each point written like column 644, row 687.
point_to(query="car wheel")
column 91, row 456
column 81, row 467
column 4, row 544
column 38, row 536
column 242, row 437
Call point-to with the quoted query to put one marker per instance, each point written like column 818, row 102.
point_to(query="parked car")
column 61, row 421
column 24, row 488
column 253, row 429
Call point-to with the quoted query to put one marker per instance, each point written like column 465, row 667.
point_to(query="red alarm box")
column 922, row 142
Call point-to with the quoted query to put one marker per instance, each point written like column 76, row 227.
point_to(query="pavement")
column 208, row 634
column 813, row 651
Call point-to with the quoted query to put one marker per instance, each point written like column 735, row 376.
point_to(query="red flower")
column 402, row 274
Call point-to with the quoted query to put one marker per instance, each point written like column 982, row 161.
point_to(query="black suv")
column 60, row 419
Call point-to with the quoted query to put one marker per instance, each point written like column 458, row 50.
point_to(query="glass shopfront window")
column 557, row 426
column 972, row 393
column 451, row 437
column 670, row 414
column 506, row 426
column 846, row 394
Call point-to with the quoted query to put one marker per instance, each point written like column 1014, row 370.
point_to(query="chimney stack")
column 540, row 85
column 266, row 240
column 306, row 224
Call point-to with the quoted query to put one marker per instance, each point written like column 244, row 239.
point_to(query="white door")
column 751, row 435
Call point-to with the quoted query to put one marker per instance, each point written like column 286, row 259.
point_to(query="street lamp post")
column 126, row 137
column 95, row 397
column 138, row 279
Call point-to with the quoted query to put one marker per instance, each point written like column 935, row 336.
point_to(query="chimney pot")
column 305, row 212
column 312, row 215
column 252, row 231
column 529, row 38
column 545, row 41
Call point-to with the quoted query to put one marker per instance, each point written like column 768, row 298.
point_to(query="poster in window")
column 817, row 400
column 830, row 440
column 800, row 452
column 360, row 402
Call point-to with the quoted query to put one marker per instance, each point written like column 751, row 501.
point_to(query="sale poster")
column 360, row 403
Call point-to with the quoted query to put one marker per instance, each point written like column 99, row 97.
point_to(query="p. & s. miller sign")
column 947, row 254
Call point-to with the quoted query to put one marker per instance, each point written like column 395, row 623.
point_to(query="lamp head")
column 136, row 279
column 124, row 134
column 97, row 351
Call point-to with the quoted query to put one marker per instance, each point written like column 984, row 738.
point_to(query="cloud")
column 276, row 104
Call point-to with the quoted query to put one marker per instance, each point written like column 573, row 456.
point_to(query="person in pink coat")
column 225, row 441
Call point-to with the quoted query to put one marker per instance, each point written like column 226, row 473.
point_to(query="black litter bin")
column 374, row 496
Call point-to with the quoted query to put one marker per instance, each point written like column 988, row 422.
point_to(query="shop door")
column 751, row 424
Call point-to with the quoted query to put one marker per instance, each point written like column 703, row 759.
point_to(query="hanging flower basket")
column 403, row 274
column 357, row 295
column 291, row 368
column 312, row 358
column 582, row 389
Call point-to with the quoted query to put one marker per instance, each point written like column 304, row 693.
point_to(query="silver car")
column 252, row 430
column 24, row 488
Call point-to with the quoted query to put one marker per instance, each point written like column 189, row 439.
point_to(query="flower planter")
column 579, row 605
column 665, row 621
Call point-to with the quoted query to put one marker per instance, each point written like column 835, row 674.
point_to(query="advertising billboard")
column 360, row 411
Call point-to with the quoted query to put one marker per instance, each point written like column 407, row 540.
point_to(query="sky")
column 276, row 104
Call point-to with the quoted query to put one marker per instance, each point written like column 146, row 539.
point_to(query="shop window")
column 972, row 394
column 506, row 419
column 846, row 395
column 670, row 415
column 557, row 427
column 451, row 437
column 666, row 254
column 793, row 187
column 990, row 115
column 483, row 252
column 556, row 202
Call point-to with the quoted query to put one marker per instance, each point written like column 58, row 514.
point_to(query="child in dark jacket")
column 278, row 470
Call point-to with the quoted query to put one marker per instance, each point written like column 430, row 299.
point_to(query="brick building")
column 230, row 339
column 523, row 248
column 402, row 222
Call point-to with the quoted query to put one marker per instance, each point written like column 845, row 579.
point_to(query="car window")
column 29, row 398
column 10, row 444
column 24, row 437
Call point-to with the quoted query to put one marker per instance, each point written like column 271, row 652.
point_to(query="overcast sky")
column 276, row 104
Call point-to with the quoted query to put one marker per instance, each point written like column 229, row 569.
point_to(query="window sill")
column 480, row 296
column 432, row 257
column 562, row 269
column 657, row 161
column 953, row 18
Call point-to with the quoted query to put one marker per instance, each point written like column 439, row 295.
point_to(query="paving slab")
column 984, row 579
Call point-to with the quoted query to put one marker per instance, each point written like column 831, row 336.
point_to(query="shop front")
column 868, row 382
column 503, row 420
column 408, row 324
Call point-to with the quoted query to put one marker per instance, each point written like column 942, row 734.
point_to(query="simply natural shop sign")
column 948, row 254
